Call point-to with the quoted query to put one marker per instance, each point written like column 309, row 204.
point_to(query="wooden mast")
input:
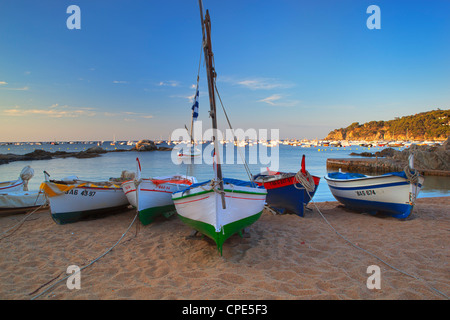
column 211, row 75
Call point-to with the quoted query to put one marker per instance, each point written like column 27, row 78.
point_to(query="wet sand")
column 282, row 257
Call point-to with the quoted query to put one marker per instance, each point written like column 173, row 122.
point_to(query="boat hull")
column 200, row 207
column 75, row 203
column 20, row 201
column 153, row 199
column 11, row 186
column 286, row 194
column 391, row 194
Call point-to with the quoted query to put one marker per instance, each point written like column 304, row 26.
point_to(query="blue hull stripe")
column 397, row 210
column 385, row 185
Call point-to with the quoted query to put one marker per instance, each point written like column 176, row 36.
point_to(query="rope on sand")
column 373, row 255
column 91, row 263
column 25, row 218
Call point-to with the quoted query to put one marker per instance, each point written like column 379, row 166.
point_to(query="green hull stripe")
column 226, row 232
column 148, row 215
column 226, row 190
column 191, row 195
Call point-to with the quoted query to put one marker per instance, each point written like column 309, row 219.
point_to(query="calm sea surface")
column 159, row 163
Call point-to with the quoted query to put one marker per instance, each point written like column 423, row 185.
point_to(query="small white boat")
column 152, row 197
column 393, row 193
column 72, row 199
column 189, row 151
column 19, row 201
column 15, row 196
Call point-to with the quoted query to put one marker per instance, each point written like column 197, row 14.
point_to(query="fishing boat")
column 392, row 193
column 20, row 184
column 220, row 207
column 15, row 196
column 20, row 201
column 72, row 199
column 288, row 191
column 189, row 151
column 152, row 197
column 11, row 186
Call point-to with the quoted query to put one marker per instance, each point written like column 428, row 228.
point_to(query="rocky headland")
column 431, row 125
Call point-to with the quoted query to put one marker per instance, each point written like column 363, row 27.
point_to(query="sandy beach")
column 283, row 257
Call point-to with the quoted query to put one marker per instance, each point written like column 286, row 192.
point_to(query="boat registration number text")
column 365, row 193
column 85, row 193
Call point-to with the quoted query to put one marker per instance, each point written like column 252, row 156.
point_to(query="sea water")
column 286, row 158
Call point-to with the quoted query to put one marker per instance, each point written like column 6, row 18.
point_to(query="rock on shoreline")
column 47, row 155
column 96, row 151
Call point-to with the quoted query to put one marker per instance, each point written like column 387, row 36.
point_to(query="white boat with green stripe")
column 200, row 207
column 152, row 197
column 220, row 207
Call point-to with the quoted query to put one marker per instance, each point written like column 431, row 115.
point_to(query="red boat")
column 288, row 191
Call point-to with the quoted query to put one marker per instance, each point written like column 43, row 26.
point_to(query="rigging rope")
column 247, row 169
column 26, row 174
column 306, row 180
column 411, row 174
column 26, row 217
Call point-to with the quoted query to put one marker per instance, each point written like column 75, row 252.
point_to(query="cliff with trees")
column 431, row 125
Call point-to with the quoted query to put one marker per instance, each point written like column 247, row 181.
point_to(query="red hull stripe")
column 98, row 188
column 153, row 190
column 13, row 186
column 192, row 200
column 243, row 198
column 283, row 182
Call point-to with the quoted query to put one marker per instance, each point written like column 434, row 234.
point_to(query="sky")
column 302, row 67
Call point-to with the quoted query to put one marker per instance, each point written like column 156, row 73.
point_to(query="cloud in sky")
column 138, row 114
column 120, row 81
column 130, row 114
column 57, row 111
column 169, row 83
column 278, row 100
column 258, row 83
column 54, row 111
column 25, row 88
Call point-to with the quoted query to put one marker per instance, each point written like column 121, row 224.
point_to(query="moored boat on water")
column 72, row 199
column 287, row 190
column 392, row 193
column 189, row 151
